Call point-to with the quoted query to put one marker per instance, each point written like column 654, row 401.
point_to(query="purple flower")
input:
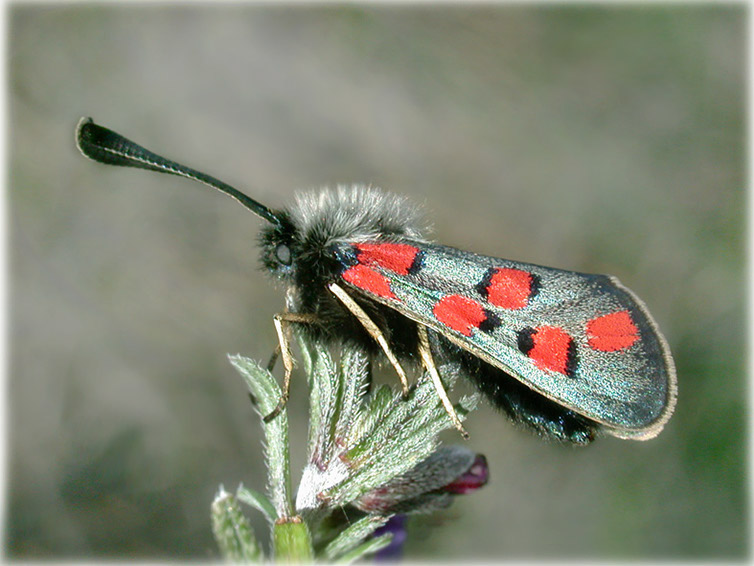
column 431, row 484
column 393, row 552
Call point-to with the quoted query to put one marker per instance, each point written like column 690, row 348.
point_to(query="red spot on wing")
column 459, row 313
column 509, row 288
column 550, row 348
column 370, row 280
column 398, row 258
column 612, row 332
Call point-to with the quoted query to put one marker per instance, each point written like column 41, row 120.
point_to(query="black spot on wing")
column 536, row 285
column 573, row 360
column 491, row 322
column 418, row 264
column 483, row 285
column 526, row 340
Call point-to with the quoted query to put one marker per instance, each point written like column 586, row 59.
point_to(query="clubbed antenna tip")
column 106, row 146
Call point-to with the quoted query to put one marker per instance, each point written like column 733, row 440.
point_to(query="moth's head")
column 280, row 246
column 302, row 241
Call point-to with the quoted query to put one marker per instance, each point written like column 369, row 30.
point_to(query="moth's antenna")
column 106, row 146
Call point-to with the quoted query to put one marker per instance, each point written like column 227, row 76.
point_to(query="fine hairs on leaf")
column 266, row 391
column 380, row 441
column 232, row 530
column 371, row 453
column 352, row 536
column 257, row 500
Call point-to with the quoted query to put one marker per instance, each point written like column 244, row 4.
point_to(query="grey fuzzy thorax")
column 354, row 213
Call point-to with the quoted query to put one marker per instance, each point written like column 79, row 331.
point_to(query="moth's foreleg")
column 282, row 323
column 373, row 330
column 429, row 363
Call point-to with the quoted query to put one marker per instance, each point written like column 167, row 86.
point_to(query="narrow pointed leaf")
column 368, row 548
column 257, row 500
column 353, row 536
column 265, row 389
column 232, row 530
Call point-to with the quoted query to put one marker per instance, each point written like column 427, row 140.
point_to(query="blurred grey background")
column 602, row 139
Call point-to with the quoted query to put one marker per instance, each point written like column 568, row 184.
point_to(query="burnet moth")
column 566, row 353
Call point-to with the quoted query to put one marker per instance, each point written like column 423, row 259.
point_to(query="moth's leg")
column 372, row 329
column 282, row 323
column 274, row 358
column 429, row 363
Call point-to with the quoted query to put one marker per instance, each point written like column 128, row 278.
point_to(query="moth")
column 565, row 353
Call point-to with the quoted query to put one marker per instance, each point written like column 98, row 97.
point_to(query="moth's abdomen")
column 523, row 405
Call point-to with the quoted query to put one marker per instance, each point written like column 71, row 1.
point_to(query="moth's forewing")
column 582, row 340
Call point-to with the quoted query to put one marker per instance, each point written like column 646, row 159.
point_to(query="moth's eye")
column 283, row 254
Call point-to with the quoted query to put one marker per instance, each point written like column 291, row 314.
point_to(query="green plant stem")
column 292, row 541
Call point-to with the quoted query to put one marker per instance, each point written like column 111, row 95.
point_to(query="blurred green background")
column 601, row 139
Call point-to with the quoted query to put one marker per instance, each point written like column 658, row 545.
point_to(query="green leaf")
column 391, row 436
column 261, row 383
column 232, row 530
column 351, row 537
column 265, row 389
column 258, row 501
column 354, row 375
column 369, row 547
column 325, row 397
